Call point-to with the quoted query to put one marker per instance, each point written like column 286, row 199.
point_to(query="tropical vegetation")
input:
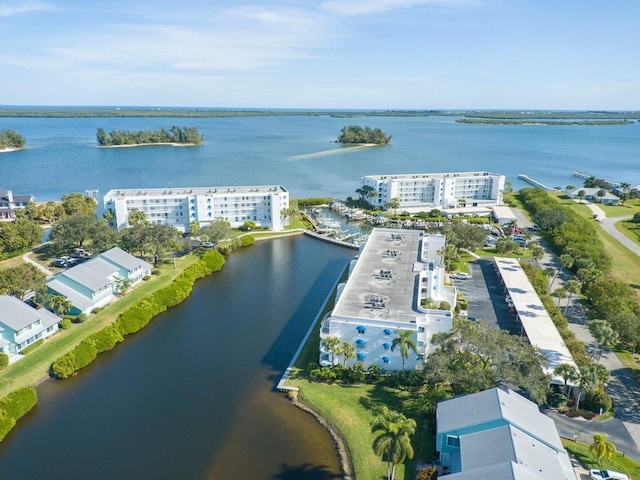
column 11, row 139
column 366, row 135
column 181, row 135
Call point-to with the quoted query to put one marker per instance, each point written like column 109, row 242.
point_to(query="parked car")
column 597, row 474
column 473, row 319
column 207, row 244
column 460, row 276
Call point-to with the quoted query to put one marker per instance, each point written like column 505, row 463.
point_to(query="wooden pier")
column 535, row 183
column 584, row 176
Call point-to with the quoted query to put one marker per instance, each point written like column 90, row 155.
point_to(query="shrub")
column 146, row 278
column 247, row 241
column 556, row 400
column 156, row 271
column 427, row 473
column 444, row 305
column 97, row 310
column 80, row 318
column 65, row 324
column 14, row 406
column 105, row 339
column 32, row 347
column 71, row 362
column 596, row 400
column 4, row 360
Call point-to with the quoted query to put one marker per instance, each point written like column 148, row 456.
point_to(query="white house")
column 21, row 324
column 591, row 195
column 395, row 270
column 9, row 203
column 499, row 434
column 96, row 282
column 426, row 191
column 181, row 206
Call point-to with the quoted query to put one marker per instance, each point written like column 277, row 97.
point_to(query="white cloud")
column 365, row 7
column 9, row 10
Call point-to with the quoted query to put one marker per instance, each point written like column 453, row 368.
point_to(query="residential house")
column 499, row 434
column 9, row 203
column 21, row 324
column 96, row 282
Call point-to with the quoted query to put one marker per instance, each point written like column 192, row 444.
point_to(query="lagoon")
column 299, row 153
column 191, row 396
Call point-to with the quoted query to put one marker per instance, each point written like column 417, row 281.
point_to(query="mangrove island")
column 174, row 136
column 367, row 135
column 11, row 140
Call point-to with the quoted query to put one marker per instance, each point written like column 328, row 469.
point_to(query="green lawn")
column 618, row 462
column 35, row 366
column 630, row 230
column 629, row 208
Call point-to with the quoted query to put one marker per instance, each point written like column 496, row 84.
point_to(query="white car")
column 460, row 276
column 596, row 474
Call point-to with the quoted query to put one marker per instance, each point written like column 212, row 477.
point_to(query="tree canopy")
column 11, row 139
column 18, row 236
column 184, row 135
column 357, row 134
column 20, row 280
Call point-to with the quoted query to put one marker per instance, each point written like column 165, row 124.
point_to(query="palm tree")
column 567, row 372
column 549, row 272
column 566, row 261
column 537, row 251
column 572, row 287
column 332, row 345
column 394, row 439
column 581, row 194
column 624, row 194
column 394, row 204
column 560, row 293
column 600, row 194
column 348, row 352
column 602, row 447
column 405, row 341
column 603, row 334
column 59, row 304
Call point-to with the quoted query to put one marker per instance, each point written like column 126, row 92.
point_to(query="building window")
column 453, row 441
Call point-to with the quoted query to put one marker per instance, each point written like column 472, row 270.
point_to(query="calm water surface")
column 191, row 395
column 298, row 152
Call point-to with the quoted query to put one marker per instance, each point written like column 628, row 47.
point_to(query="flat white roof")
column 433, row 175
column 503, row 213
column 159, row 192
column 538, row 326
column 382, row 285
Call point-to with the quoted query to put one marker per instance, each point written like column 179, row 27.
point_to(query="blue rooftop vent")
column 386, row 345
column 361, row 342
column 387, row 331
column 361, row 329
column 361, row 355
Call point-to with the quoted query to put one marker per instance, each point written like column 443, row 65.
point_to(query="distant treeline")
column 11, row 139
column 357, row 134
column 537, row 121
column 186, row 135
column 540, row 115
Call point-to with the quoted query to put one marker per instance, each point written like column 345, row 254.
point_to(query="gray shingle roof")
column 93, row 274
column 16, row 314
column 76, row 298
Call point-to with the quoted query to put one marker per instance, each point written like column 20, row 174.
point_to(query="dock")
column 535, row 183
column 334, row 240
column 584, row 176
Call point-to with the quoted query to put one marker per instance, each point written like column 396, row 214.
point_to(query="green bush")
column 105, row 339
column 146, row 278
column 97, row 310
column 247, row 240
column 65, row 324
column 594, row 401
column 80, row 318
column 4, row 360
column 14, row 406
column 32, row 347
column 71, row 362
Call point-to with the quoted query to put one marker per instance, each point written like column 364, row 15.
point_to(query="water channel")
column 191, row 396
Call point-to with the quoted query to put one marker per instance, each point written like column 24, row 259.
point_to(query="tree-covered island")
column 355, row 134
column 174, row 136
column 11, row 140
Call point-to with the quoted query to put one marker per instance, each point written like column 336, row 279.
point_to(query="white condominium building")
column 426, row 191
column 181, row 206
column 382, row 297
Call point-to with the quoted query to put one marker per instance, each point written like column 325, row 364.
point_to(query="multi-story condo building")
column 395, row 271
column 426, row 191
column 181, row 206
column 9, row 203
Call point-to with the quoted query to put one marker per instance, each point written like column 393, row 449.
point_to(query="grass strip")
column 618, row 462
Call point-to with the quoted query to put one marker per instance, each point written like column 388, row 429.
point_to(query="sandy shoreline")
column 166, row 144
column 10, row 149
column 335, row 151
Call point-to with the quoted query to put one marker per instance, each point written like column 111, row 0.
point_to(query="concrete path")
column 27, row 259
column 609, row 226
column 598, row 213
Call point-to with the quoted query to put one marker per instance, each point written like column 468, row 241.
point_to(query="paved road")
column 28, row 259
column 609, row 226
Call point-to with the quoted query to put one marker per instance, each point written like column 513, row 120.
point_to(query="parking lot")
column 485, row 295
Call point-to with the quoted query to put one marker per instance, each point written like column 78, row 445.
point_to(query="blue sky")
column 400, row 54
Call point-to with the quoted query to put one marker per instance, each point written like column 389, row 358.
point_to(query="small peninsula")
column 11, row 140
column 174, row 136
column 355, row 134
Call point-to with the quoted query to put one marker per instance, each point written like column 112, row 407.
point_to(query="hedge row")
column 568, row 232
column 137, row 316
column 14, row 406
column 32, row 347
